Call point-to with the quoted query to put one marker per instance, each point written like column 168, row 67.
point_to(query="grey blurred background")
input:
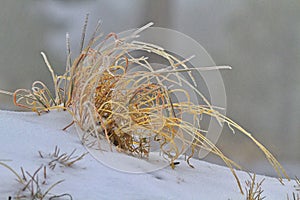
column 259, row 39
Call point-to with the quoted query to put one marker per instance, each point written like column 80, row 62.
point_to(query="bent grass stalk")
column 110, row 100
column 13, row 171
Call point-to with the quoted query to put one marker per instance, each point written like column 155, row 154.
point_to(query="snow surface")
column 22, row 135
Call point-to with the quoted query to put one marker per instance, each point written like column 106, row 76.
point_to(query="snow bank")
column 22, row 135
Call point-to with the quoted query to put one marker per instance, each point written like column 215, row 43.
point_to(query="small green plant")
column 253, row 189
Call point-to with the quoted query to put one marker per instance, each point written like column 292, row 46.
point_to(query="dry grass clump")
column 116, row 94
column 254, row 189
column 34, row 185
column 64, row 159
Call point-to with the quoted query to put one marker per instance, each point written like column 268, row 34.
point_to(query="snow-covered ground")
column 22, row 135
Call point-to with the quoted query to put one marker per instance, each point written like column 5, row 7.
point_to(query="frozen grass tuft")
column 34, row 185
column 254, row 189
column 64, row 159
column 115, row 94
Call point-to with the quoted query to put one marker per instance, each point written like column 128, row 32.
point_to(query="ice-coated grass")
column 131, row 109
